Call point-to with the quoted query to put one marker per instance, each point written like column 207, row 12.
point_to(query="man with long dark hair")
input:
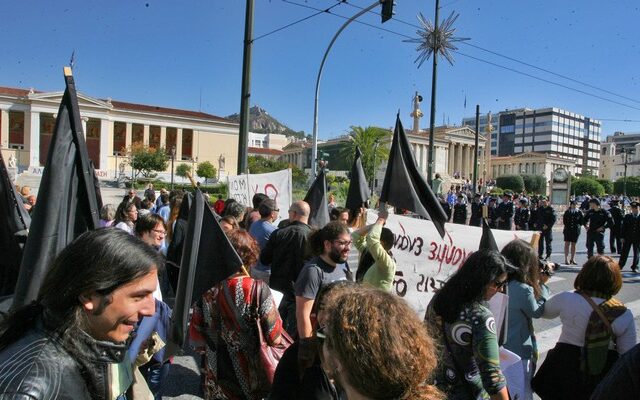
column 64, row 344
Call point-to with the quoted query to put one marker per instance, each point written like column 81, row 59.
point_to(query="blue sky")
column 188, row 54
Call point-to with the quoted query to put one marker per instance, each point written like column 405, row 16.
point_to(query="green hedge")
column 633, row 186
column 534, row 184
column 515, row 183
column 587, row 185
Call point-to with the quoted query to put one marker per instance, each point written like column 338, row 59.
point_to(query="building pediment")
column 56, row 98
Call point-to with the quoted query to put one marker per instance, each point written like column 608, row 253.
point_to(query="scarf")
column 598, row 336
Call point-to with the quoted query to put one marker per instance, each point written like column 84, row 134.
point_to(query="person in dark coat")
column 533, row 214
column 492, row 213
column 522, row 216
column 615, row 239
column 476, row 211
column 546, row 219
column 631, row 236
column 445, row 206
column 596, row 220
column 572, row 221
column 460, row 211
column 505, row 213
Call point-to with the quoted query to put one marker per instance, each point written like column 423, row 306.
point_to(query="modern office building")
column 624, row 142
column 549, row 130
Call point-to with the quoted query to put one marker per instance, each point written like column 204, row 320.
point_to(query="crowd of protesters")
column 334, row 330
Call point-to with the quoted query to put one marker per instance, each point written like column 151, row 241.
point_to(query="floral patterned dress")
column 223, row 328
column 470, row 367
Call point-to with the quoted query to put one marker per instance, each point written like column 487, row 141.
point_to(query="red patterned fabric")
column 223, row 329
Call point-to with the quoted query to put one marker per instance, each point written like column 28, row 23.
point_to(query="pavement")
column 183, row 380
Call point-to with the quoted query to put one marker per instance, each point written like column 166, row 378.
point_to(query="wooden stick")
column 193, row 182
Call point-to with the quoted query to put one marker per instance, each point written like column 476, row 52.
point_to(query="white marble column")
column 450, row 165
column 145, row 134
column 458, row 158
column 32, row 137
column 106, row 132
column 4, row 129
column 179, row 144
column 163, row 137
column 127, row 135
column 464, row 161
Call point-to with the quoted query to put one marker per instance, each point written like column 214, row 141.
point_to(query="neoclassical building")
column 27, row 121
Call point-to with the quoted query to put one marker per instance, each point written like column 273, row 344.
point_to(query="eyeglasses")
column 343, row 243
column 500, row 284
column 277, row 210
column 321, row 334
column 159, row 232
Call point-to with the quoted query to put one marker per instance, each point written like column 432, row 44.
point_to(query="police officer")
column 546, row 218
column 522, row 216
column 505, row 213
column 492, row 213
column 631, row 236
column 476, row 211
column 615, row 233
column 596, row 220
column 572, row 221
column 533, row 214
column 460, row 211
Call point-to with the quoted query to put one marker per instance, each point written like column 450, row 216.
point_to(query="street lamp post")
column 314, row 148
column 173, row 156
column 373, row 175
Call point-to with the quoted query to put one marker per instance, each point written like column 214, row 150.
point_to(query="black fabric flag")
column 207, row 259
column 358, row 193
column 405, row 187
column 487, row 241
column 317, row 199
column 14, row 223
column 67, row 205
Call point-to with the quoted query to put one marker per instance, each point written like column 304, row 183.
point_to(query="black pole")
column 624, row 183
column 173, row 156
column 243, row 136
column 373, row 175
column 475, row 154
column 432, row 126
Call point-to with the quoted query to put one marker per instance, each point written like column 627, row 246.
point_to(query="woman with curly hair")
column 375, row 347
column 224, row 332
column 459, row 317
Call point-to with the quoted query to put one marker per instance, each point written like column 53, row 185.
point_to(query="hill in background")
column 261, row 122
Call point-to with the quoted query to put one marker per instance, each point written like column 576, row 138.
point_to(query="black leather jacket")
column 41, row 365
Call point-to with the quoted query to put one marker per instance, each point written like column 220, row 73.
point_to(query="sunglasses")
column 500, row 284
column 321, row 334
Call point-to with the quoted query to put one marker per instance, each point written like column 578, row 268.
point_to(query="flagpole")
column 475, row 153
column 432, row 122
column 314, row 147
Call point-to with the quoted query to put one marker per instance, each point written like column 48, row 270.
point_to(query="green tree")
column 633, row 185
column 534, row 183
column 261, row 165
column 206, row 170
column 514, row 183
column 146, row 160
column 587, row 185
column 371, row 141
column 607, row 185
column 183, row 169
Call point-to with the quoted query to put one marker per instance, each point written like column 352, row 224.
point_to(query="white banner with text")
column 425, row 261
column 276, row 185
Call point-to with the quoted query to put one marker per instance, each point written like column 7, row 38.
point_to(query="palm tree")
column 374, row 145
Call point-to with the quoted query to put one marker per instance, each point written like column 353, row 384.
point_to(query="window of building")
column 93, row 141
column 16, row 129
column 137, row 133
column 47, row 125
column 172, row 139
column 119, row 138
column 187, row 144
column 154, row 136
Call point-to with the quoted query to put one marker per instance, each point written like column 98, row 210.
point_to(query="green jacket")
column 383, row 270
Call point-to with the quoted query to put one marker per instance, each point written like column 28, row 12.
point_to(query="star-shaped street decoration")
column 431, row 40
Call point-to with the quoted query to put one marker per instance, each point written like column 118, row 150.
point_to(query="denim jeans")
column 155, row 373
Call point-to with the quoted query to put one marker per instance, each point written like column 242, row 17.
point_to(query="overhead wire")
column 467, row 55
column 296, row 22
column 512, row 58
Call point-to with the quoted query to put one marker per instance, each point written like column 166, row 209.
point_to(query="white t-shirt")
column 574, row 312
